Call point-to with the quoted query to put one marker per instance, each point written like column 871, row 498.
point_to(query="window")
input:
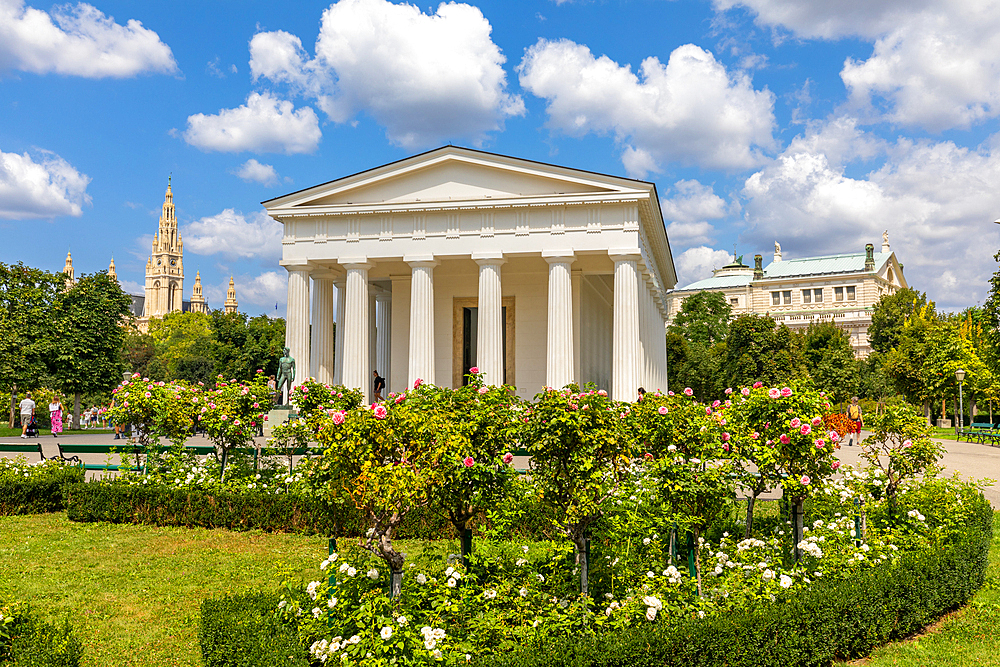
column 818, row 295
column 775, row 298
column 850, row 293
column 787, row 297
column 838, row 293
column 734, row 301
column 806, row 296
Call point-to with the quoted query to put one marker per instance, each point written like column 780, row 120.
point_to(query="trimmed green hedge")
column 831, row 620
column 118, row 503
column 38, row 496
column 30, row 642
column 245, row 630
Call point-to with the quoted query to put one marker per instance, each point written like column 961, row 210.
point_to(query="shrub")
column 34, row 488
column 244, row 630
column 26, row 641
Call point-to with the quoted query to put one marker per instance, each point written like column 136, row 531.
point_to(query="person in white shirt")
column 27, row 412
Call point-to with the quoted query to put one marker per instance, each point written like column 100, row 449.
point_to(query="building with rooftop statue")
column 842, row 289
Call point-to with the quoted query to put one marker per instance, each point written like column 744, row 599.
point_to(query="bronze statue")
column 286, row 375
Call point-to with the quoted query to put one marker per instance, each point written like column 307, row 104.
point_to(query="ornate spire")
column 111, row 269
column 231, row 305
column 198, row 304
column 68, row 270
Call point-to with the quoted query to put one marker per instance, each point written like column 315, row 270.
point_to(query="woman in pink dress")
column 55, row 414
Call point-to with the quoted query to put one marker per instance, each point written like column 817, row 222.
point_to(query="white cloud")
column 78, row 40
column 252, row 171
column 424, row 77
column 264, row 291
column 936, row 63
column 689, row 110
column 937, row 200
column 693, row 202
column 265, row 124
column 43, row 189
column 697, row 263
column 234, row 235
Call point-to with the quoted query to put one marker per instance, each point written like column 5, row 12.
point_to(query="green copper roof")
column 793, row 268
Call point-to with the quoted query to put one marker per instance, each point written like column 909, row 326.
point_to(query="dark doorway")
column 470, row 333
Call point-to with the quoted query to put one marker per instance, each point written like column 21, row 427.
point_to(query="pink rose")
column 716, row 404
column 688, row 391
column 834, row 436
column 821, row 443
column 601, row 392
column 835, row 465
column 474, row 370
column 507, row 458
column 728, row 391
column 725, row 446
column 907, row 443
column 816, row 421
column 745, row 391
column 338, row 417
column 754, row 435
column 399, row 399
column 785, row 439
column 662, row 410
column 708, row 411
column 483, row 390
column 806, row 429
column 796, row 422
column 725, row 438
column 758, row 385
column 805, row 480
column 670, row 393
column 265, row 417
column 469, row 461
column 786, row 392
column 773, row 393
column 148, row 394
column 380, row 412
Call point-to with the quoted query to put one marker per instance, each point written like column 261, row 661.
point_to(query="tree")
column 890, row 316
column 242, row 345
column 88, row 328
column 26, row 298
column 180, row 336
column 703, row 319
column 831, row 361
column 906, row 363
column 758, row 350
column 140, row 351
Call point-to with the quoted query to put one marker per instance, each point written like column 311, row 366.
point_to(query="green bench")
column 18, row 448
column 981, row 431
column 71, row 453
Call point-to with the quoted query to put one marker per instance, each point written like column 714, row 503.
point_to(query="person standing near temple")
column 55, row 416
column 379, row 385
column 27, row 413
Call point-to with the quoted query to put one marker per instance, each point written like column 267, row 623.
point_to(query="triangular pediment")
column 454, row 174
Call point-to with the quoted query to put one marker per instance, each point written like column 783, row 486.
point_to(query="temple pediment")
column 453, row 174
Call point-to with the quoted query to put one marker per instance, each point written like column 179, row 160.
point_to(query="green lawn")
column 6, row 432
column 132, row 593
column 970, row 636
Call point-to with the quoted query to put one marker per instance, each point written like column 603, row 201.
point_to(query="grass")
column 132, row 593
column 969, row 636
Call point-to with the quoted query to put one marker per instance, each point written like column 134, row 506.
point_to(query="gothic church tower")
column 165, row 266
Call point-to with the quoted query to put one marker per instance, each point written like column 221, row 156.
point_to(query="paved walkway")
column 973, row 461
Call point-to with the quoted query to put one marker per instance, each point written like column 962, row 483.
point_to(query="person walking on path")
column 379, row 385
column 55, row 416
column 27, row 413
column 854, row 414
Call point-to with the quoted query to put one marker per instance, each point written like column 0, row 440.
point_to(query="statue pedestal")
column 277, row 415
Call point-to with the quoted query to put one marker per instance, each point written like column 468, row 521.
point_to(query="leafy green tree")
column 26, row 298
column 890, row 316
column 179, row 338
column 140, row 351
column 703, row 319
column 831, row 361
column 88, row 337
column 906, row 362
column 759, row 350
column 242, row 345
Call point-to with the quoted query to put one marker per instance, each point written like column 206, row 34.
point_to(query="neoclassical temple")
column 537, row 274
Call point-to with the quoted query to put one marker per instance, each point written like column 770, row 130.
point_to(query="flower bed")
column 26, row 640
column 34, row 488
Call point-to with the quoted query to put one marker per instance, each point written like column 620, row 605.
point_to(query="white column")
column 577, row 280
column 399, row 353
column 625, row 348
column 383, row 326
column 338, row 362
column 489, row 340
column 372, row 337
column 559, row 357
column 297, row 321
column 355, row 371
column 421, row 364
column 321, row 352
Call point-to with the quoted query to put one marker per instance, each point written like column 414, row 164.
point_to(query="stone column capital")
column 488, row 258
column 421, row 261
column 383, row 297
column 558, row 256
column 625, row 255
column 355, row 263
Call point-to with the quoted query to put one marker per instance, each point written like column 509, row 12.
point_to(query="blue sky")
column 812, row 123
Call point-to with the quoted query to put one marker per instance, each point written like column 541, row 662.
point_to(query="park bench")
column 71, row 452
column 19, row 448
column 980, row 431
